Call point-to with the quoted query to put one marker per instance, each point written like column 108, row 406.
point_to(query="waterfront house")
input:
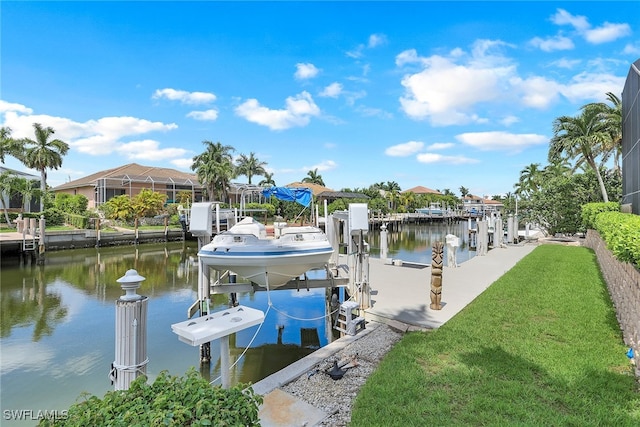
column 480, row 205
column 130, row 179
column 14, row 202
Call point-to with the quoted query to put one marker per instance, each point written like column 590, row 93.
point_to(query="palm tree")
column 27, row 189
column 8, row 145
column 42, row 154
column 215, row 169
column 582, row 138
column 250, row 166
column 314, row 177
column 268, row 180
column 558, row 167
column 392, row 186
column 612, row 120
column 529, row 180
column 7, row 188
column 464, row 191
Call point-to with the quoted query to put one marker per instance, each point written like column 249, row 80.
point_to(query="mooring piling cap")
column 129, row 283
column 131, row 276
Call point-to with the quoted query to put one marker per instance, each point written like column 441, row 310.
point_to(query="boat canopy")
column 299, row 195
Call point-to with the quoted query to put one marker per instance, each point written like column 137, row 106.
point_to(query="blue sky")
column 438, row 94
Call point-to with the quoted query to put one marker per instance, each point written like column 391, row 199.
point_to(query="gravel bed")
column 335, row 397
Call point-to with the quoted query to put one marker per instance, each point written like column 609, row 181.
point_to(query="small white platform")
column 217, row 325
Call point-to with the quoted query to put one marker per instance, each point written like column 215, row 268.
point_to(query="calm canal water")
column 57, row 320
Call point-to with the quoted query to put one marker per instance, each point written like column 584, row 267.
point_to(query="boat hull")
column 267, row 262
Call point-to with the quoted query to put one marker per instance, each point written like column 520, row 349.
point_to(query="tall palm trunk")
column 603, row 190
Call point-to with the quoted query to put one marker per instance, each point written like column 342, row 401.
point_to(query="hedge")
column 590, row 211
column 621, row 232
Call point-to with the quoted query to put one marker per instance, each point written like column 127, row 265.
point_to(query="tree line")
column 584, row 167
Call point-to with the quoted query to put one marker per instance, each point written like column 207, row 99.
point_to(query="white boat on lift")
column 269, row 261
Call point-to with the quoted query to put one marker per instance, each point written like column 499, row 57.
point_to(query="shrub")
column 148, row 203
column 170, row 401
column 77, row 221
column 621, row 232
column 53, row 216
column 590, row 211
column 118, row 207
column 75, row 204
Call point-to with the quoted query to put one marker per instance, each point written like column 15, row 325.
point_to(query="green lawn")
column 540, row 347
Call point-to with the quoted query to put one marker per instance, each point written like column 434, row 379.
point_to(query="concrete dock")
column 400, row 297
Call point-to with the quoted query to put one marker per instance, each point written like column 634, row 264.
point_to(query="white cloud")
column 148, row 149
column 631, row 49
column 566, row 63
column 445, row 91
column 509, row 120
column 499, row 140
column 94, row 137
column 536, row 92
column 409, row 56
column 184, row 164
column 551, row 44
column 10, row 106
column 440, row 146
column 373, row 112
column 591, row 86
column 305, row 71
column 323, row 166
column 298, row 112
column 355, row 53
column 562, row 17
column 376, row 40
column 332, row 91
column 184, row 96
column 405, row 149
column 607, row 32
column 209, row 115
column 440, row 159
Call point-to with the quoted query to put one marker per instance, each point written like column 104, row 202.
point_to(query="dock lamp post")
column 131, row 333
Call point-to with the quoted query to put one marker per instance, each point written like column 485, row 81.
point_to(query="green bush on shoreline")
column 169, row 400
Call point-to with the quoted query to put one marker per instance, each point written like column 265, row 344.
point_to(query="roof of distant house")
column 342, row 195
column 421, row 190
column 471, row 197
column 20, row 174
column 315, row 188
column 135, row 173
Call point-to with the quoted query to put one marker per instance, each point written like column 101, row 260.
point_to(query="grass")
column 541, row 346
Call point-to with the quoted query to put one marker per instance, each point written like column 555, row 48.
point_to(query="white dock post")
column 384, row 244
column 510, row 229
column 41, row 240
column 131, row 333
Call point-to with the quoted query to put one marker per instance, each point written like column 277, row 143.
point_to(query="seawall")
column 623, row 282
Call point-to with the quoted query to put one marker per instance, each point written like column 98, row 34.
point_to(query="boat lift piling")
column 131, row 333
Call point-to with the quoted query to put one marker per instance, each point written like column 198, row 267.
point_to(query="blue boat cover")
column 299, row 195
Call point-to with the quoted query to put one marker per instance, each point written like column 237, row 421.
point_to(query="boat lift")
column 349, row 226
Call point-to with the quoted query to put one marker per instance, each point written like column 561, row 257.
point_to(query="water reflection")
column 57, row 323
column 414, row 242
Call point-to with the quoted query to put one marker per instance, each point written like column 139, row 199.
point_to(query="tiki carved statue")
column 436, row 275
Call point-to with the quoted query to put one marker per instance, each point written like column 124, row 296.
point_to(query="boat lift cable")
column 269, row 307
column 246, row 348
